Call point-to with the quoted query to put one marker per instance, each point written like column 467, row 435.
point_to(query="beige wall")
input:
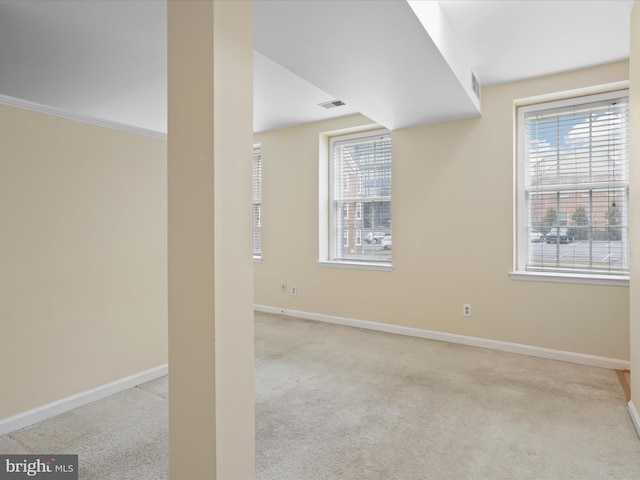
column 82, row 257
column 635, row 204
column 452, row 235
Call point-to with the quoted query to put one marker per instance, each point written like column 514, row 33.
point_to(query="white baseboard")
column 572, row 357
column 635, row 418
column 24, row 419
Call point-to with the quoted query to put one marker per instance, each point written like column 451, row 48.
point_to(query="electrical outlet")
column 466, row 309
column 283, row 288
column 293, row 290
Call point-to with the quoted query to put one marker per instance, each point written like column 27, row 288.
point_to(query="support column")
column 211, row 398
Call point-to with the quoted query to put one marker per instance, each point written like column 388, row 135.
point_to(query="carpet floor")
column 122, row 437
column 338, row 403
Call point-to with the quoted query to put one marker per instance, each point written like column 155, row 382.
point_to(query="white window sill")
column 257, row 259
column 384, row 267
column 614, row 281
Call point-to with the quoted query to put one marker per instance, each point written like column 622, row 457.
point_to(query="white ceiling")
column 400, row 63
column 512, row 40
column 376, row 56
column 97, row 58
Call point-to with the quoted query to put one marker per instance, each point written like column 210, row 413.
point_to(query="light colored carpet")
column 122, row 437
column 341, row 403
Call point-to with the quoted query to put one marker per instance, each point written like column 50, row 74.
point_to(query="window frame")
column 521, row 223
column 257, row 253
column 326, row 257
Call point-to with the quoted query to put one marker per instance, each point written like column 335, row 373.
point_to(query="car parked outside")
column 560, row 235
column 536, row 236
column 386, row 242
column 375, row 237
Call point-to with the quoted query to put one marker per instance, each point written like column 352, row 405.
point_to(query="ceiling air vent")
column 475, row 86
column 332, row 104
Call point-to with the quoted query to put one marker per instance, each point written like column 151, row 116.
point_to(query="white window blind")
column 360, row 197
column 574, row 185
column 257, row 203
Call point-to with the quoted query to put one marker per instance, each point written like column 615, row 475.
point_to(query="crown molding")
column 47, row 110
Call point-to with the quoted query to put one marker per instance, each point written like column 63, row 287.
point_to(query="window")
column 360, row 175
column 257, row 202
column 563, row 216
column 573, row 186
